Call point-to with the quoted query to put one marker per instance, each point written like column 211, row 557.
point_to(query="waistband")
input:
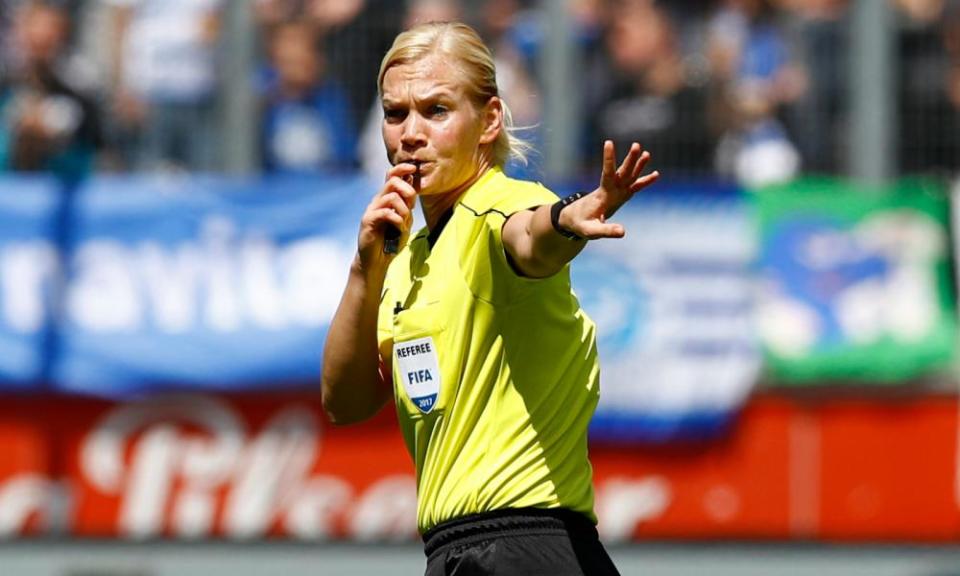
column 477, row 527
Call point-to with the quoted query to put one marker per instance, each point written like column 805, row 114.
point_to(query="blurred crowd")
column 752, row 90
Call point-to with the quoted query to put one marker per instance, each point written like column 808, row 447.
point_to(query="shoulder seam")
column 478, row 214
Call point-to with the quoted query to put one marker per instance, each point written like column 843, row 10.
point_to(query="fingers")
column 609, row 159
column 645, row 181
column 380, row 216
column 398, row 204
column 402, row 189
column 628, row 174
column 617, row 186
column 394, row 203
column 409, row 171
column 402, row 169
column 596, row 229
column 630, row 162
column 392, row 206
column 400, row 185
column 639, row 166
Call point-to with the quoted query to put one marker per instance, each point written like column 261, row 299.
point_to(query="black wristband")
column 555, row 215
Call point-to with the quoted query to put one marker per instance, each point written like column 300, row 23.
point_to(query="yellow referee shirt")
column 495, row 375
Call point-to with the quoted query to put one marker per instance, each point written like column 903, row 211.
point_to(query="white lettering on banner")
column 675, row 314
column 386, row 509
column 102, row 295
column 624, row 503
column 222, row 303
column 164, row 454
column 20, row 498
column 28, row 273
column 186, row 466
column 261, row 288
column 223, row 282
column 188, row 450
column 313, row 275
column 321, row 499
column 270, row 471
column 149, row 484
column 170, row 279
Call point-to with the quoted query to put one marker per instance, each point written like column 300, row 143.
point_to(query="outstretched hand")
column 587, row 217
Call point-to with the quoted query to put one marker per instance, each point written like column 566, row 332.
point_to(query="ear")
column 492, row 115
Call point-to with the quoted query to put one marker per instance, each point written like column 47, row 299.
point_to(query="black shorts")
column 523, row 541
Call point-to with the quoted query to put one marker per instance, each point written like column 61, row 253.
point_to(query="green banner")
column 856, row 281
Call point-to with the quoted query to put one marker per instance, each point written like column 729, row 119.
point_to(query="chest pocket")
column 418, row 348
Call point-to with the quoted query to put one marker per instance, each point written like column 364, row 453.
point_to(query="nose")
column 413, row 135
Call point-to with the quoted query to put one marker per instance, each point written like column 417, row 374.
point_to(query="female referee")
column 472, row 327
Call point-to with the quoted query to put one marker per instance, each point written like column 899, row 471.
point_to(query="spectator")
column 48, row 118
column 7, row 45
column 165, row 79
column 756, row 78
column 307, row 124
column 642, row 90
column 514, row 33
column 329, row 15
column 929, row 115
column 817, row 118
column 951, row 42
column 357, row 33
column 271, row 13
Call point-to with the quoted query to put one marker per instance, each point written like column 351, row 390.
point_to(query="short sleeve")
column 524, row 196
column 485, row 265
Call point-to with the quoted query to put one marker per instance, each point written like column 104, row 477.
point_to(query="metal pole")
column 872, row 92
column 240, row 122
column 561, row 96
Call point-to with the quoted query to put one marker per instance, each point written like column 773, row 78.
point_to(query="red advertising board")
column 736, row 486
column 25, row 464
column 248, row 467
column 888, row 470
column 270, row 466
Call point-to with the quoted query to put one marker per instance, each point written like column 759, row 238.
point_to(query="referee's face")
column 429, row 118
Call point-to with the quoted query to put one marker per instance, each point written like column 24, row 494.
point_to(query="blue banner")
column 204, row 283
column 29, row 268
column 673, row 303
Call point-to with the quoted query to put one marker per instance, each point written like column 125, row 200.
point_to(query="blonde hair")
column 474, row 60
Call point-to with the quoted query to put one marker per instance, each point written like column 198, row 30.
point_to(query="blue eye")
column 438, row 110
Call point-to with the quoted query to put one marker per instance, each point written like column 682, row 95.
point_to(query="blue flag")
column 205, row 283
column 673, row 303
